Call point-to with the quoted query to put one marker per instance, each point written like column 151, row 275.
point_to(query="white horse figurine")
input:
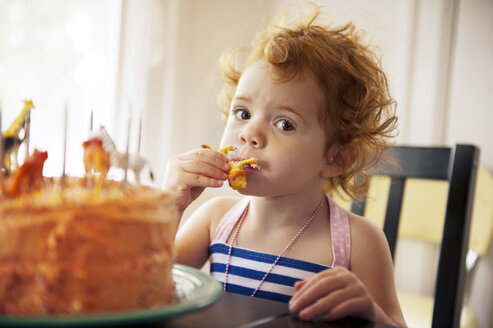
column 136, row 163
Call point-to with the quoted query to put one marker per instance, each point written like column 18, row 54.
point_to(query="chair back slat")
column 423, row 162
column 449, row 289
column 393, row 212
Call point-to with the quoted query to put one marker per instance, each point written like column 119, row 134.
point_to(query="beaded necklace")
column 288, row 246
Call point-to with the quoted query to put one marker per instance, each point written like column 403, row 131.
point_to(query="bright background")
column 157, row 60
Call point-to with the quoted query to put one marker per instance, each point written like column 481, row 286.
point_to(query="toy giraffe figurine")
column 136, row 163
column 11, row 138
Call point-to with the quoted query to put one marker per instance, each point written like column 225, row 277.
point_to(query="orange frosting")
column 77, row 251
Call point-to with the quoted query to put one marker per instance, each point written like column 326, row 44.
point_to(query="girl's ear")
column 335, row 162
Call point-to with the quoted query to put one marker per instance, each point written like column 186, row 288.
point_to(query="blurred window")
column 59, row 53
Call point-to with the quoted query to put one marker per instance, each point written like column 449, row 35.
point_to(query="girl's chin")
column 254, row 191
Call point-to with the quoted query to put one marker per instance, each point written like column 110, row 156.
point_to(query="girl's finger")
column 299, row 284
column 198, row 180
column 211, row 157
column 314, row 290
column 359, row 307
column 325, row 304
column 204, row 168
column 307, row 283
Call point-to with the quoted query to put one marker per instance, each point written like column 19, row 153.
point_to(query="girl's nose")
column 252, row 135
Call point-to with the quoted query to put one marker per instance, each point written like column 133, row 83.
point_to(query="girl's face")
column 277, row 123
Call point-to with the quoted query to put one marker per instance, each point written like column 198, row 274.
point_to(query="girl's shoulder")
column 220, row 205
column 216, row 208
column 362, row 225
column 367, row 238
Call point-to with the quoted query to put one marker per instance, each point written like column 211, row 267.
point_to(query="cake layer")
column 47, row 288
column 93, row 232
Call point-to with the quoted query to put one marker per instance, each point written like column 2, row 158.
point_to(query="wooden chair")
column 458, row 166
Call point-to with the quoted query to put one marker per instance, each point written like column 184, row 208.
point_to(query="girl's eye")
column 242, row 114
column 285, row 125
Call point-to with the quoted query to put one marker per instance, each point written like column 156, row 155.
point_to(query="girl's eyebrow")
column 240, row 97
column 291, row 110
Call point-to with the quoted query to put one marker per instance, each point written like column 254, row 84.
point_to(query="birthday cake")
column 72, row 248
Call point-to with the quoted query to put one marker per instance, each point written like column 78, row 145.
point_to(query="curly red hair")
column 359, row 114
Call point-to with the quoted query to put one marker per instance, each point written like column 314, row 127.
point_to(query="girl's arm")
column 187, row 175
column 367, row 291
column 194, row 237
column 372, row 263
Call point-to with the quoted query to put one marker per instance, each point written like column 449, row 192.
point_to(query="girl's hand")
column 188, row 174
column 332, row 294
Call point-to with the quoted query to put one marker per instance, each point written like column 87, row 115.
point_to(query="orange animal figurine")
column 28, row 176
column 96, row 160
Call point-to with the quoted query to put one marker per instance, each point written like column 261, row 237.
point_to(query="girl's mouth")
column 251, row 166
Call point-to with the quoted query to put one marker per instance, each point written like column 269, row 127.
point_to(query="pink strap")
column 341, row 235
column 229, row 220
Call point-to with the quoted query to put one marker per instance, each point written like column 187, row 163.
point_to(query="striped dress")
column 248, row 267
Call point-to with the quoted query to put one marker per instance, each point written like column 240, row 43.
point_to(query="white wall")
column 439, row 64
column 471, row 116
column 471, row 110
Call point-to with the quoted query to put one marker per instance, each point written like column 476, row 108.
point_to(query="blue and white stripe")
column 247, row 268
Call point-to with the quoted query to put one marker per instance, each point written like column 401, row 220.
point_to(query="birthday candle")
column 2, row 160
column 140, row 133
column 91, row 123
column 65, row 120
column 125, row 167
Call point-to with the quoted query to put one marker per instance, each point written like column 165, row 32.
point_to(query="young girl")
column 312, row 106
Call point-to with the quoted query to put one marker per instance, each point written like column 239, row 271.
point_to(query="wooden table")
column 233, row 310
